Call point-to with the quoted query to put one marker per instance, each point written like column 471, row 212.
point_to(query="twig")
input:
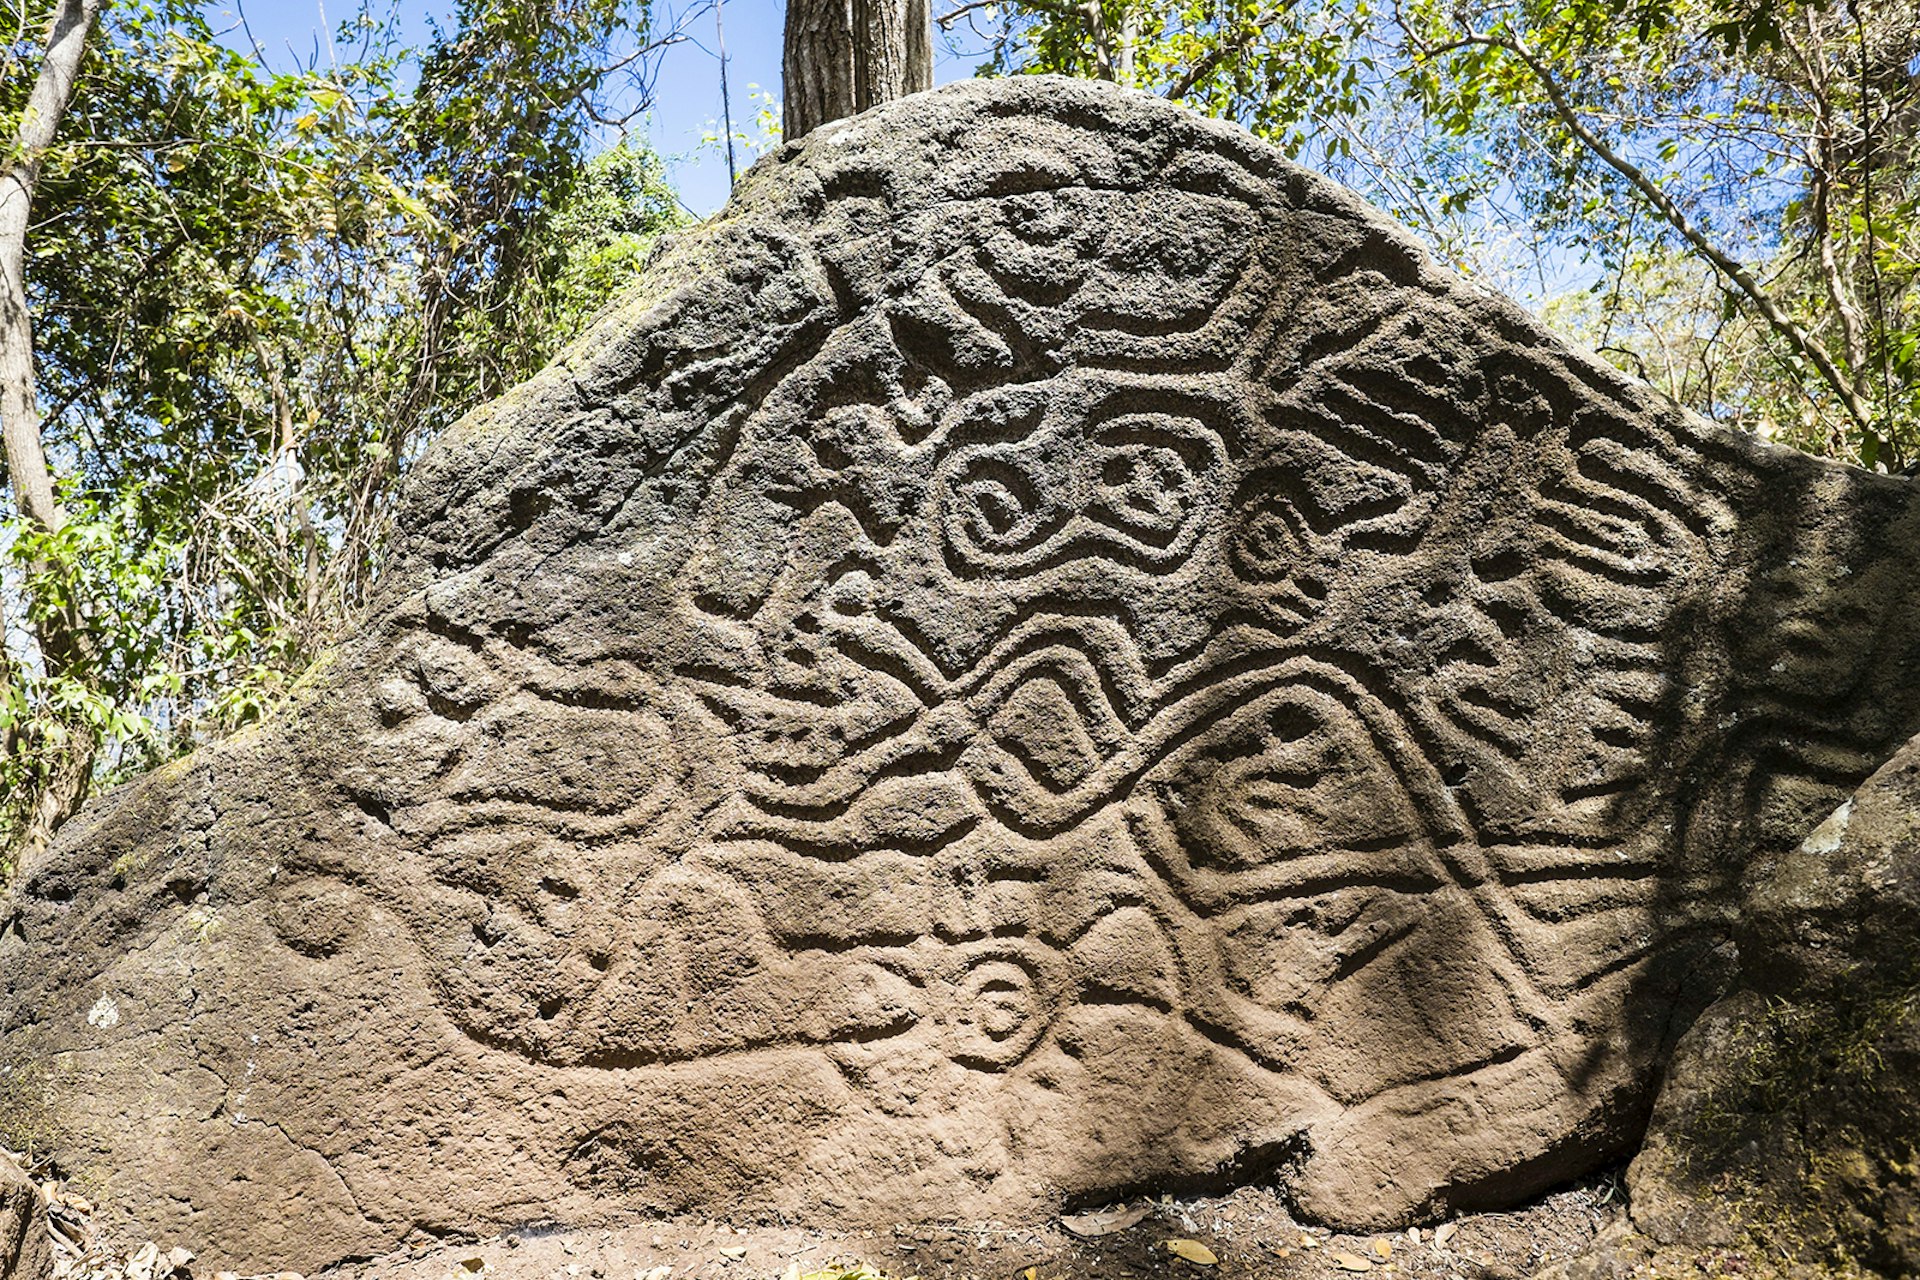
column 1776, row 317
column 1205, row 65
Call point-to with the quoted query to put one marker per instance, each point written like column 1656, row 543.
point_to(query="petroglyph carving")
column 1056, row 575
column 1058, row 651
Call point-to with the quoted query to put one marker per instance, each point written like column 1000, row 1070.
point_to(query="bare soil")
column 1249, row 1231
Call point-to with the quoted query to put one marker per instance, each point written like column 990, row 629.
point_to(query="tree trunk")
column 843, row 56
column 19, row 418
column 59, row 632
column 65, row 777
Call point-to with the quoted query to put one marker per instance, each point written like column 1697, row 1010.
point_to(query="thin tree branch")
column 1784, row 325
column 1206, row 64
column 1866, row 202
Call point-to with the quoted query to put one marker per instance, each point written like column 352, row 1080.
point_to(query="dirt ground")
column 1239, row 1235
column 1249, row 1232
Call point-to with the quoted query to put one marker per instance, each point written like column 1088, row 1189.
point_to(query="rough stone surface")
column 1047, row 651
column 25, row 1251
column 1787, row 1134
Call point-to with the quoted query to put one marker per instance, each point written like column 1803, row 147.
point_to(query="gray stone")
column 1788, row 1130
column 1047, row 651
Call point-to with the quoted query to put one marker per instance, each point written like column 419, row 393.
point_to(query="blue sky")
column 687, row 91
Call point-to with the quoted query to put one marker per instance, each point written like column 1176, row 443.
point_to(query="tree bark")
column 62, row 640
column 19, row 419
column 843, row 56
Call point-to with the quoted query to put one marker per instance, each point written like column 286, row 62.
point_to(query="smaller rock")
column 1104, row 1223
column 1786, row 1122
column 26, row 1252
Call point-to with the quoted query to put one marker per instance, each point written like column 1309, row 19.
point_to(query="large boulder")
column 26, row 1252
column 1045, row 651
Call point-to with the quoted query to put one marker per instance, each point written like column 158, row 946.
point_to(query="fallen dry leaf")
column 1104, row 1223
column 475, row 1265
column 1383, row 1247
column 1192, row 1250
column 1442, row 1234
column 1349, row 1261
